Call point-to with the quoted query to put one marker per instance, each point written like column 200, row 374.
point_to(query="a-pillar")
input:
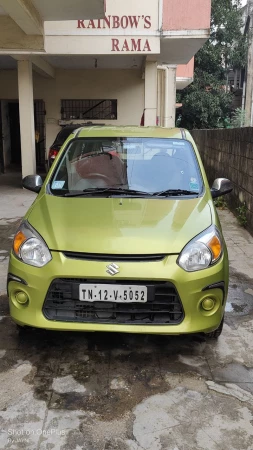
column 26, row 117
column 170, row 97
column 150, row 112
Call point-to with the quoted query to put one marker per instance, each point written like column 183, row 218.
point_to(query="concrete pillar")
column 150, row 93
column 170, row 97
column 26, row 115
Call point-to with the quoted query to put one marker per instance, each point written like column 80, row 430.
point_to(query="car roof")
column 131, row 131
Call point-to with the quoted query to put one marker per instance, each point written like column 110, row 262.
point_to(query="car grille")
column 112, row 258
column 163, row 306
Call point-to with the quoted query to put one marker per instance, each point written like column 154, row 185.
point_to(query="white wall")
column 126, row 86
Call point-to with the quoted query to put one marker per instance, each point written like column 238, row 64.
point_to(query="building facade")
column 115, row 64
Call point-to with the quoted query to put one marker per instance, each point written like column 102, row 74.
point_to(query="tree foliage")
column 206, row 104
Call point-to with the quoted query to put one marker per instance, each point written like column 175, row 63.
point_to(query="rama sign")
column 122, row 44
column 129, row 27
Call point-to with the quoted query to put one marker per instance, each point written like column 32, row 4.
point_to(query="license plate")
column 112, row 293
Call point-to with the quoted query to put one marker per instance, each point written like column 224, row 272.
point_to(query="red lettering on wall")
column 107, row 21
column 80, row 24
column 147, row 46
column 125, row 46
column 91, row 24
column 134, row 21
column 124, row 22
column 133, row 45
column 116, row 23
column 136, row 45
column 115, row 45
column 147, row 20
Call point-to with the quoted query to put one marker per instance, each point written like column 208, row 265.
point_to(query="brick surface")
column 228, row 153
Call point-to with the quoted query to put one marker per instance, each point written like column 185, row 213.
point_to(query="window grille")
column 89, row 109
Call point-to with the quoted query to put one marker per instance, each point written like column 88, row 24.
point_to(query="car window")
column 144, row 164
column 63, row 135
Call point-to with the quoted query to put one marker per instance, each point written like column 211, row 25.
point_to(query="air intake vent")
column 163, row 307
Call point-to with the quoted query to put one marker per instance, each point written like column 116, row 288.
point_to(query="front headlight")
column 29, row 247
column 203, row 251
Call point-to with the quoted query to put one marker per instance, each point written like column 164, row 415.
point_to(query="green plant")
column 207, row 101
column 220, row 203
column 242, row 211
column 238, row 118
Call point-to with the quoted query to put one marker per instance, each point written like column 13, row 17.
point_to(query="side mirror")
column 32, row 183
column 221, row 186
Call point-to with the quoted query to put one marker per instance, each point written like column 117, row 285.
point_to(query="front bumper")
column 190, row 287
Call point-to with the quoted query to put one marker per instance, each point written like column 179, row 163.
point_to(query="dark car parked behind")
column 61, row 138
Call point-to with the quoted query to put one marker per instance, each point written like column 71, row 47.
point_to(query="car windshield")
column 144, row 165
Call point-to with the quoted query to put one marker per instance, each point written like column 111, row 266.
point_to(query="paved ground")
column 73, row 391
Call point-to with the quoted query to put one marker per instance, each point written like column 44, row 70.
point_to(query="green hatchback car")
column 122, row 237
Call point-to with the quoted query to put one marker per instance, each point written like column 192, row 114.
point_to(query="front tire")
column 216, row 333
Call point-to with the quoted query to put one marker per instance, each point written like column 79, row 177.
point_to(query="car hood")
column 119, row 225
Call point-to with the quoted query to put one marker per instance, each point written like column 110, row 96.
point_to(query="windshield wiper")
column 173, row 192
column 110, row 190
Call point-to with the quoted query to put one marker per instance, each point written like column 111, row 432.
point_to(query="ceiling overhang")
column 70, row 9
column 30, row 15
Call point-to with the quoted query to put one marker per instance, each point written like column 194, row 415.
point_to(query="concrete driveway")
column 73, row 391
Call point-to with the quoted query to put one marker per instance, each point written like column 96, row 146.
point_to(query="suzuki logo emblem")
column 112, row 269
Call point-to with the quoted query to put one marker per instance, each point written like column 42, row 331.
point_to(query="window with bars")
column 89, row 109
